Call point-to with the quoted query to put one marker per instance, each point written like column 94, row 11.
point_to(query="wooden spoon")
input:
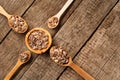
column 38, row 51
column 23, row 58
column 17, row 23
column 54, row 21
column 79, row 70
column 56, row 52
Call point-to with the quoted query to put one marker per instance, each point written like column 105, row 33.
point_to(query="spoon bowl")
column 24, row 57
column 53, row 21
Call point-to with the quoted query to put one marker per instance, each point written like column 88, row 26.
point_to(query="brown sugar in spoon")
column 38, row 40
column 17, row 23
column 23, row 58
column 54, row 20
column 61, row 57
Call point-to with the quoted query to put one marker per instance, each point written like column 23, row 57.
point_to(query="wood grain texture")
column 74, row 33
column 45, row 9
column 36, row 16
column 12, row 7
column 101, row 55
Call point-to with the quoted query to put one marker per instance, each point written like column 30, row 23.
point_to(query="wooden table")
column 89, row 30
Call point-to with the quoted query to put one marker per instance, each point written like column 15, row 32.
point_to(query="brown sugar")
column 52, row 22
column 23, row 57
column 17, row 24
column 38, row 40
column 59, row 55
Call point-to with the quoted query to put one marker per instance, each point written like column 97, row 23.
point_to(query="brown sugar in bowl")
column 39, row 36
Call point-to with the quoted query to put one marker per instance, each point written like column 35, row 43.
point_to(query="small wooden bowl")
column 38, row 51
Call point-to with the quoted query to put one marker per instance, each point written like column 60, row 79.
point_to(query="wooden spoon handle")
column 80, row 71
column 3, row 12
column 67, row 4
column 11, row 73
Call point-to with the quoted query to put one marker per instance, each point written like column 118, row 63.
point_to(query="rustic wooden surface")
column 89, row 30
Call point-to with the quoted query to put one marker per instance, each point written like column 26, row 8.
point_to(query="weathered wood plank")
column 12, row 7
column 111, row 69
column 36, row 16
column 101, row 55
column 72, row 36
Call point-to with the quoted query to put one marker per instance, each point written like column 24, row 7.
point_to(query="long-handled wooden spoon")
column 54, row 21
column 23, row 58
column 17, row 23
column 61, row 57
